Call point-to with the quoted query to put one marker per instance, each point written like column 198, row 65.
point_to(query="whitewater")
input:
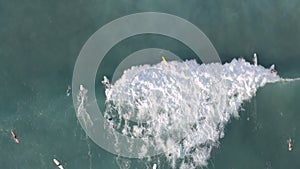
column 181, row 107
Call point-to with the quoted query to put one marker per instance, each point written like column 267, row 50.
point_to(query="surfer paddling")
column 57, row 163
column 15, row 136
column 290, row 142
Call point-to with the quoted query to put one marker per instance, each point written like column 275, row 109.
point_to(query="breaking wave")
column 182, row 106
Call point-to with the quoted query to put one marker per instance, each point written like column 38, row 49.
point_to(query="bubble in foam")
column 183, row 106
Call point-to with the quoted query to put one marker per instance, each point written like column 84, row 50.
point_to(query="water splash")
column 183, row 104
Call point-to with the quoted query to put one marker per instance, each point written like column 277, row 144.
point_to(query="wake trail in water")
column 290, row 80
column 182, row 106
column 81, row 111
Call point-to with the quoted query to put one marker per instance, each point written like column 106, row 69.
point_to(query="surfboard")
column 163, row 59
column 15, row 136
column 57, row 163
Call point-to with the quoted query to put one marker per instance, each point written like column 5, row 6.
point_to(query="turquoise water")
column 40, row 42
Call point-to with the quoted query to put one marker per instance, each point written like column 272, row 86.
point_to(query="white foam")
column 81, row 111
column 184, row 102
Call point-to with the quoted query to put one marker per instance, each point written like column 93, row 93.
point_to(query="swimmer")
column 105, row 81
column 68, row 92
column 14, row 136
column 255, row 59
column 290, row 142
column 57, row 163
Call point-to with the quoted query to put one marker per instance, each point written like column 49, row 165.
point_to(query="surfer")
column 255, row 59
column 14, row 136
column 272, row 68
column 57, row 163
column 68, row 92
column 105, row 81
column 290, row 142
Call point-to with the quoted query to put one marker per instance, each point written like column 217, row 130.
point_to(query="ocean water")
column 41, row 40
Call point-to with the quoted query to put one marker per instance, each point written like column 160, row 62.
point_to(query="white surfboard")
column 57, row 163
column 255, row 59
column 272, row 67
column 154, row 166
